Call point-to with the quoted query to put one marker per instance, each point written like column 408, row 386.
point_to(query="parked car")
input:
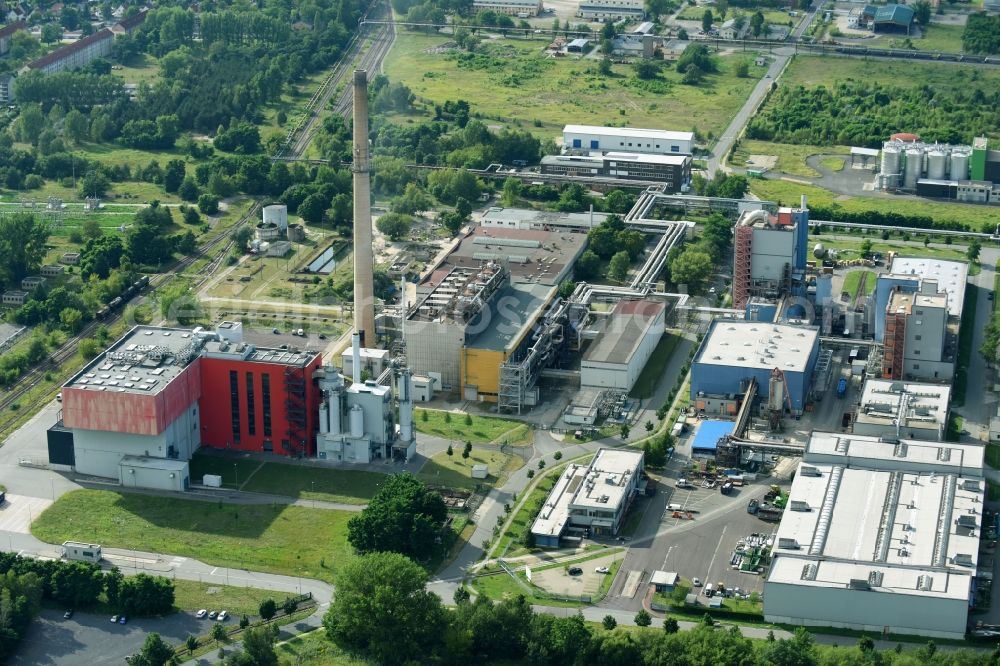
column 122, row 619
column 68, row 614
column 114, row 619
column 602, row 570
column 696, row 582
column 200, row 614
column 222, row 616
column 212, row 615
column 575, row 571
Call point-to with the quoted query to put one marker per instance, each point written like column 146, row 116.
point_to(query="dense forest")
column 860, row 113
column 981, row 34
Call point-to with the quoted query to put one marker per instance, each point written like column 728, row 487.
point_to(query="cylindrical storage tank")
column 937, row 163
column 914, row 168
column 276, row 214
column 333, row 406
column 819, row 251
column 268, row 232
column 776, row 394
column 824, row 289
column 324, row 421
column 357, row 422
column 891, row 166
column 959, row 164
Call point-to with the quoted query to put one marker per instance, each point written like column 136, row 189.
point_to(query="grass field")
column 481, row 429
column 791, row 158
column 144, row 69
column 456, row 472
column 832, row 163
column 937, row 37
column 853, row 280
column 818, row 70
column 653, row 371
column 314, row 649
column 544, row 93
column 512, row 538
column 977, row 218
column 309, row 482
column 190, row 595
column 251, row 537
column 850, row 248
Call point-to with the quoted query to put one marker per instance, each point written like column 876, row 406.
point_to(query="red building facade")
column 260, row 406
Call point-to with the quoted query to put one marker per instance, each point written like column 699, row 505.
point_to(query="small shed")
column 14, row 297
column 70, row 258
column 664, row 581
column 863, row 157
column 480, row 471
column 579, row 45
column 52, row 270
column 32, row 282
column 423, row 388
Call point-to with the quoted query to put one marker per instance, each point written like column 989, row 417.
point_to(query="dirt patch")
column 558, row 581
column 762, row 161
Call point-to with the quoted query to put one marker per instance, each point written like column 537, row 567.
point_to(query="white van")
column 710, row 589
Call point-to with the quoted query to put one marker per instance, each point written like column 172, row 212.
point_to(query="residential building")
column 7, row 33
column 76, row 55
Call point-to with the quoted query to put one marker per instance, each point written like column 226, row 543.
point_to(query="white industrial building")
column 357, row 421
column 879, row 536
column 626, row 340
column 627, row 139
column 539, row 220
column 902, row 409
column 611, row 10
column 513, row 7
column 592, row 498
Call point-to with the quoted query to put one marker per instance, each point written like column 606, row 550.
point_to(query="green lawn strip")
column 971, row 216
column 253, row 537
column 965, row 338
column 815, row 70
column 208, row 644
column 478, row 429
column 791, row 157
column 231, row 470
column 499, row 586
column 190, row 595
column 850, row 247
column 653, row 372
column 832, row 163
column 938, row 37
column 455, row 471
column 525, row 516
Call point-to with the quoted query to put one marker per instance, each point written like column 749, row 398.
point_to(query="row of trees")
column 863, row 113
column 383, row 611
column 693, row 265
column 981, row 34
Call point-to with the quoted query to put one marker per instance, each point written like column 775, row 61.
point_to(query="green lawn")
column 832, row 163
column 937, row 37
column 809, row 70
column 853, row 279
column 481, row 430
column 456, row 472
column 993, row 456
column 288, row 540
column 784, row 192
column 849, row 248
column 144, row 69
column 653, row 372
column 315, row 649
column 543, row 94
column 190, row 595
column 512, row 538
column 791, row 158
column 305, row 481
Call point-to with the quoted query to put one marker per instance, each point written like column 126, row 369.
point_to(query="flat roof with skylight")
column 758, row 345
column 951, row 277
column 902, row 454
column 909, row 405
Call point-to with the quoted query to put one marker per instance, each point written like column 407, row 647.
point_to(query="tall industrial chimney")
column 364, row 262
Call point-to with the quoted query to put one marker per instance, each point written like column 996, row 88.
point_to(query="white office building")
column 627, row 139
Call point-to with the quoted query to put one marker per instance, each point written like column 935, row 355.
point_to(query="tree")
column 76, row 127
column 604, row 67
column 557, row 455
column 258, row 644
column 208, row 204
column 757, row 23
column 22, row 246
column 511, row 191
column 799, row 650
column 692, row 267
column 143, row 595
column 742, row 69
column 94, row 184
column 624, row 431
column 312, row 208
column 646, row 69
column 866, row 645
column 609, row 622
column 267, row 609
column 706, row 20
column 922, row 12
column 413, row 200
column 394, row 225
column 173, row 176
column 670, row 626
column 468, row 419
column 461, row 595
column 219, row 633
column 642, row 618
column 403, row 517
column 619, row 265
column 188, row 190
column 290, row 605
column 587, row 266
column 191, row 643
column 972, row 252
column 682, row 34
column 32, row 122
column 693, row 75
column 383, row 610
column 450, row 451
column 466, row 451
column 866, row 247
column 657, row 7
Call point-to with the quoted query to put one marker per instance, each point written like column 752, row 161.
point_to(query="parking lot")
column 88, row 638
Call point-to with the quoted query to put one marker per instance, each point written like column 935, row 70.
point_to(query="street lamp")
column 236, row 472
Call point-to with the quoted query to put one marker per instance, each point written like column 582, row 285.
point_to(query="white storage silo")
column 914, row 167
column 960, row 164
column 357, row 422
column 937, row 163
column 891, row 169
column 276, row 214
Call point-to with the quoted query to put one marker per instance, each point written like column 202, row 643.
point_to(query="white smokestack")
column 804, row 203
column 405, row 389
column 356, row 358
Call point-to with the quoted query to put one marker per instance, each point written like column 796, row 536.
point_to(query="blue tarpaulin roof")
column 709, row 433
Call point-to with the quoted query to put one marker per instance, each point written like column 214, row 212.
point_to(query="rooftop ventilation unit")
column 798, row 505
column 809, row 571
column 925, row 583
column 859, row 584
column 788, row 544
column 875, row 578
column 963, row 560
column 808, row 470
column 967, row 520
column 971, row 484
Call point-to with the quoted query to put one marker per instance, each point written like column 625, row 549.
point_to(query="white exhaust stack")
column 405, row 389
column 356, row 358
column 805, row 202
column 364, row 261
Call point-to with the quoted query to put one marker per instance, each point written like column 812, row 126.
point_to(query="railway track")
column 37, row 375
column 299, row 137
